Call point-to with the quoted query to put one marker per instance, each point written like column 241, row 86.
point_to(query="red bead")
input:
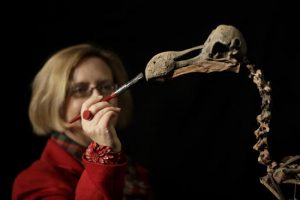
column 87, row 115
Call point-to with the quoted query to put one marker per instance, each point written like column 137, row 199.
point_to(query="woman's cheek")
column 73, row 109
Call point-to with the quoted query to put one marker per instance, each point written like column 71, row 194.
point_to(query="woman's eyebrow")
column 87, row 82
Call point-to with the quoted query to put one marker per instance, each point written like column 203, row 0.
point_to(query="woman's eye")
column 79, row 91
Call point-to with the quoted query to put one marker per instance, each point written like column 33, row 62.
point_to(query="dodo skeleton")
column 225, row 50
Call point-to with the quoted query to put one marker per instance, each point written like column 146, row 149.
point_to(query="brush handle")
column 87, row 114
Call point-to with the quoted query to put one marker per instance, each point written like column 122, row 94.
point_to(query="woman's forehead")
column 91, row 69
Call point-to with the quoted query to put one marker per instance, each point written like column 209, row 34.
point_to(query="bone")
column 225, row 50
column 222, row 51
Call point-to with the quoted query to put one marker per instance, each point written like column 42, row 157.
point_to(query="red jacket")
column 57, row 175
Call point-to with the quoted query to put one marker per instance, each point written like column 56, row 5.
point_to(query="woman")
column 84, row 159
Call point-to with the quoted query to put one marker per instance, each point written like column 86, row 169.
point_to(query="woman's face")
column 91, row 77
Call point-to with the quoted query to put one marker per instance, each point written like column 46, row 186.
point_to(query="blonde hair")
column 49, row 87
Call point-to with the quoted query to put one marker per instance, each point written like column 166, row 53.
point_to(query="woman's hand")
column 101, row 128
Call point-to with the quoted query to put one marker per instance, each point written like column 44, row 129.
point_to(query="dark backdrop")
column 194, row 133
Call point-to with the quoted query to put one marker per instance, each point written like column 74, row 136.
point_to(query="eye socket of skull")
column 219, row 50
column 235, row 44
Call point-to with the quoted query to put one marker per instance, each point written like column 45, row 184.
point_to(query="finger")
column 97, row 125
column 92, row 100
column 98, row 106
column 93, row 109
column 108, row 117
column 86, row 113
column 98, row 118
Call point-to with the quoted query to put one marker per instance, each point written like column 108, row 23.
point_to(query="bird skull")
column 223, row 50
column 224, row 42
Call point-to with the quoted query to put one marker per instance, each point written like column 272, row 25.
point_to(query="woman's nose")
column 95, row 91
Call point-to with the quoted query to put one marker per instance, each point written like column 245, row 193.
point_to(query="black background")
column 194, row 133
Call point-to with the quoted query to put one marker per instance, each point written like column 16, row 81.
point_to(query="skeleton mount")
column 225, row 50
